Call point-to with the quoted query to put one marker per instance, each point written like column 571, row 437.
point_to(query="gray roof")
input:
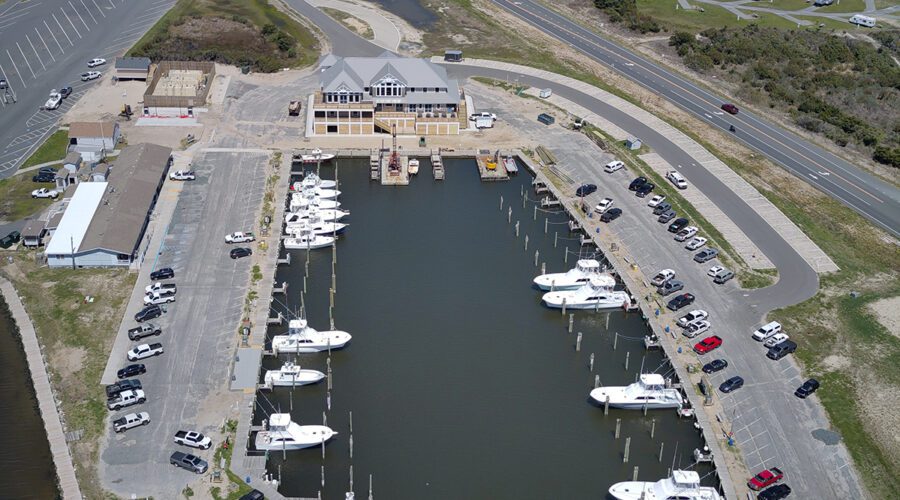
column 73, row 158
column 133, row 63
column 356, row 73
column 118, row 223
column 33, row 228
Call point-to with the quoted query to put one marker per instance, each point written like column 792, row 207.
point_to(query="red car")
column 708, row 344
column 730, row 108
column 765, row 478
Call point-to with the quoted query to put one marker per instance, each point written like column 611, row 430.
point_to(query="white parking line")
column 70, row 22
column 99, row 9
column 130, row 32
column 40, row 60
column 79, row 16
column 26, row 59
column 45, row 44
column 54, row 37
column 88, row 11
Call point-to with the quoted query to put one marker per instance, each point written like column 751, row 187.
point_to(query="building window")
column 343, row 98
column 320, row 114
column 332, row 114
column 354, row 114
column 367, row 114
column 343, row 114
column 332, row 129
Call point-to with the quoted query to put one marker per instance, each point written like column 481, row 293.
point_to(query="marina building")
column 372, row 95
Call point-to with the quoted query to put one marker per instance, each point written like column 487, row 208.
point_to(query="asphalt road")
column 46, row 45
column 876, row 200
column 344, row 42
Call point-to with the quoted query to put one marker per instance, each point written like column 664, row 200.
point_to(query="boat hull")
column 617, row 399
column 316, row 158
column 287, row 344
column 264, row 442
column 296, row 244
column 549, row 282
column 303, row 377
column 555, row 301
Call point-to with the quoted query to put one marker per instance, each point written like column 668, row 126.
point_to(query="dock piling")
column 555, row 238
column 652, row 428
column 627, row 448
column 564, row 307
column 535, row 213
column 509, row 215
column 618, row 427
column 526, row 242
column 615, row 341
column 596, row 381
column 578, row 342
column 501, row 202
column 536, row 254
column 606, row 407
column 543, row 268
column 661, row 450
column 627, row 355
column 592, row 362
column 566, row 257
column 546, row 223
column 517, row 229
column 635, row 474
column 571, row 321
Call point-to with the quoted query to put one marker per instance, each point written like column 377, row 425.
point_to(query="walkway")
column 62, row 460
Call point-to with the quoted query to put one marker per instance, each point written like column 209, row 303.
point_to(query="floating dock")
column 375, row 165
column 489, row 166
column 398, row 176
column 437, row 166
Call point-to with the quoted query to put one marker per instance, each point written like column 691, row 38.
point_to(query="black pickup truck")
column 123, row 385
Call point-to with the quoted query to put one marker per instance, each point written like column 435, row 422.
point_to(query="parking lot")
column 186, row 386
column 764, row 412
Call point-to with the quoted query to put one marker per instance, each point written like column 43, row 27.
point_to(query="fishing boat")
column 509, row 163
column 284, row 434
column 312, row 180
column 301, row 338
column 584, row 271
column 291, row 375
column 316, row 227
column 325, row 215
column 649, row 391
column 304, row 240
column 413, row 166
column 314, row 156
column 593, row 295
column 304, row 201
column 683, row 485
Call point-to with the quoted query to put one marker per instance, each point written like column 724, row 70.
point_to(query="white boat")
column 325, row 215
column 314, row 156
column 315, row 227
column 413, row 166
column 307, row 241
column 290, row 375
column 650, row 390
column 594, row 295
column 319, row 192
column 683, row 485
column 305, row 201
column 509, row 163
column 312, row 180
column 302, row 338
column 283, row 434
column 582, row 273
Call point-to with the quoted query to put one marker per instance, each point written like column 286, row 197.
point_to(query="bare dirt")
column 887, row 312
column 225, row 34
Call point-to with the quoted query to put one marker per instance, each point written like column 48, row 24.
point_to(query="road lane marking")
column 54, row 37
column 79, row 16
column 45, row 43
column 70, row 22
column 35, row 52
column 88, row 11
column 98, row 8
column 26, row 59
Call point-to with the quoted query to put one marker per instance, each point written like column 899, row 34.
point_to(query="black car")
column 732, row 384
column 10, row 239
column 237, row 253
column 680, row 301
column 253, row 495
column 585, row 189
column 162, row 274
column 776, row 492
column 611, row 214
column 148, row 313
column 715, row 366
column 808, row 387
column 640, row 181
column 65, row 92
column 123, row 385
column 678, row 224
column 131, row 370
column 43, row 177
column 644, row 189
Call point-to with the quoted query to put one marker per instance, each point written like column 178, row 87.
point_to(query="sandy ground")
column 887, row 311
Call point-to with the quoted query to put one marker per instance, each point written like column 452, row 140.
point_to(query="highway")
column 876, row 200
column 46, row 45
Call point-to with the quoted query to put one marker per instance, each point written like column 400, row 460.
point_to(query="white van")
column 767, row 331
column 861, row 20
column 677, row 179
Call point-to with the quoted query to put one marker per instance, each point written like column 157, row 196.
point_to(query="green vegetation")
column 626, row 12
column 352, row 22
column 53, row 149
column 15, row 197
column 239, row 32
column 237, row 487
column 844, row 6
column 256, row 273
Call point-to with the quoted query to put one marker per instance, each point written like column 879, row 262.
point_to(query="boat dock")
column 489, row 166
column 375, row 165
column 437, row 166
column 395, row 170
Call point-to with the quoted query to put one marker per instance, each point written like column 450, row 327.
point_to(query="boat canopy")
column 652, row 379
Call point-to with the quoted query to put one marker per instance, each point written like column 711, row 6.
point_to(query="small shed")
column 633, row 143
column 453, row 56
column 100, row 172
column 33, row 233
column 68, row 174
column 545, row 93
column 132, row 68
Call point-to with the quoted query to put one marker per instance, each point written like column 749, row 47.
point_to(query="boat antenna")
column 674, row 454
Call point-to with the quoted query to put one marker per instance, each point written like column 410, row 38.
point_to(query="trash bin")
column 245, row 69
column 421, row 142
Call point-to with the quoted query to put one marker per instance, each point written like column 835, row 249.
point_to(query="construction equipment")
column 491, row 162
column 294, row 108
column 126, row 112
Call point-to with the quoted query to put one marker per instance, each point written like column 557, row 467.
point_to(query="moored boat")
column 284, row 434
column 584, row 271
column 314, row 156
column 290, row 375
column 683, row 485
column 413, row 166
column 649, row 391
column 593, row 295
column 302, row 338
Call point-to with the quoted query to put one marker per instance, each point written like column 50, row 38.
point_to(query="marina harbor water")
column 458, row 381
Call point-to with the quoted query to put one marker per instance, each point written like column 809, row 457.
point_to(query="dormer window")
column 388, row 87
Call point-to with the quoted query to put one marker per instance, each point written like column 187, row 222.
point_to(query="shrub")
column 887, row 156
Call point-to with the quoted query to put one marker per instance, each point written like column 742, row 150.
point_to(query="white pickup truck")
column 54, row 101
column 131, row 421
column 126, row 398
column 193, row 439
column 145, row 351
column 239, row 237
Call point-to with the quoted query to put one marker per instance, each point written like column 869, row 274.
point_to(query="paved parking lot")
column 187, row 385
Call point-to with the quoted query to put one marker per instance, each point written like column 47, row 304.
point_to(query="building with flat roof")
column 132, row 68
column 370, row 95
column 104, row 222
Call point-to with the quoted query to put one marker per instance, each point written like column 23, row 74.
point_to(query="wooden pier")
column 374, row 165
column 490, row 166
column 437, row 166
column 395, row 177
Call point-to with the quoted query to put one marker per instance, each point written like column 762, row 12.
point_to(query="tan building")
column 371, row 95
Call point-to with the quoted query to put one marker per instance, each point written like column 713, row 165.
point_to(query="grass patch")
column 844, row 6
column 53, row 149
column 237, row 487
column 15, row 197
column 352, row 22
column 756, row 278
column 240, row 32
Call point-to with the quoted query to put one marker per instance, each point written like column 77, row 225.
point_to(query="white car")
column 613, row 166
column 97, row 61
column 686, row 233
column 695, row 315
column 483, row 114
column 44, row 193
column 696, row 327
column 144, row 351
column 714, row 270
column 656, row 200
column 604, row 205
column 159, row 298
column 54, row 101
column 130, row 421
column 239, row 237
column 182, row 175
column 662, row 277
column 677, row 179
column 193, row 439
column 775, row 339
column 766, row 331
column 90, row 75
column 696, row 243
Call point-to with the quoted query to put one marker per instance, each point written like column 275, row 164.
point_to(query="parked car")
column 44, row 193
column 730, row 108
column 722, row 276
column 715, row 366
column 43, row 177
column 677, row 179
column 53, row 101
column 643, row 190
column 145, row 330
column 193, row 439
column 663, row 207
column 585, row 189
column 666, row 216
column 253, row 495
column 636, row 183
column 158, row 298
column 131, row 421
column 765, row 478
column 546, row 119
column 695, row 315
column 656, row 201
column 183, row 175
column 613, row 166
column 678, row 224
column 147, row 313
column 680, row 301
column 131, row 371
column 162, row 274
column 482, row 114
column 144, row 351
column 686, row 233
column 708, row 344
column 239, row 237
column 776, row 492
column 781, row 349
column 47, row 170
column 125, row 399
column 706, row 255
column 713, row 271
column 776, row 339
column 696, row 328
column 808, row 387
column 611, row 215
column 131, row 384
column 670, row 287
column 65, row 91
column 662, row 276
column 696, row 242
column 97, row 61
column 90, row 75
column 732, row 384
column 767, row 330
column 188, row 462
column 604, row 205
column 237, row 253
column 161, row 287
column 10, row 239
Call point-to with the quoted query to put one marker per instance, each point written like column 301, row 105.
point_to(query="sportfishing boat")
column 304, row 201
column 305, row 240
column 325, row 215
column 312, row 180
column 413, row 166
column 316, row 227
column 283, row 434
column 509, row 163
column 650, row 390
column 584, row 271
column 291, row 375
column 683, row 485
column 302, row 338
column 593, row 295
column 314, row 156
